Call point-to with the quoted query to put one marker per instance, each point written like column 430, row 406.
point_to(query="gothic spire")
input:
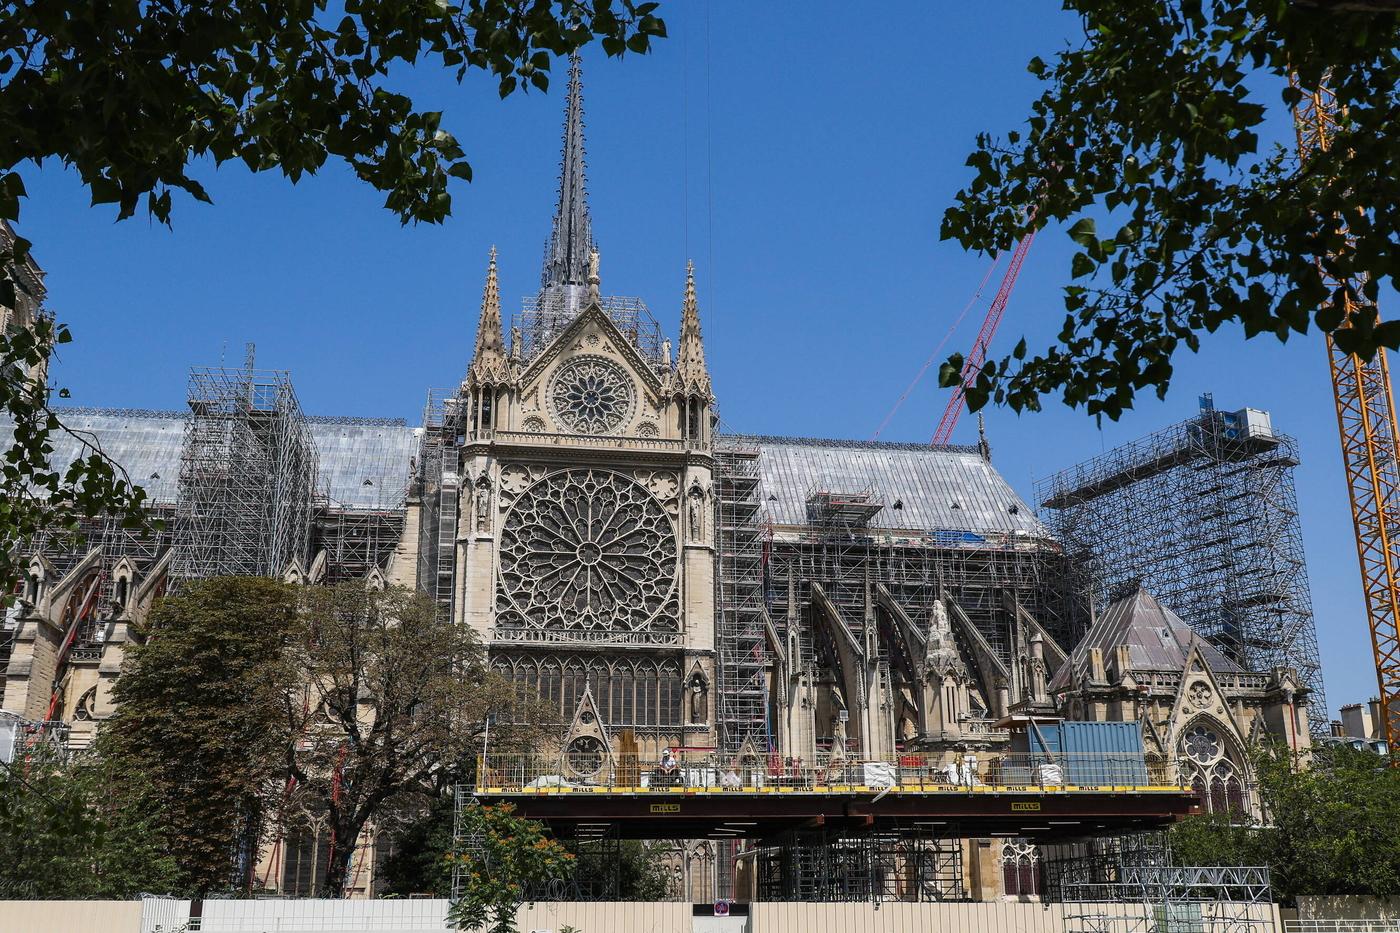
column 571, row 242
column 489, row 361
column 691, row 371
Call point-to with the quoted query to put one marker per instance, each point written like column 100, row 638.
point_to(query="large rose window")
column 591, row 395
column 590, row 551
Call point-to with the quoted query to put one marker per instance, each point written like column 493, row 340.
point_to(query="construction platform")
column 1005, row 796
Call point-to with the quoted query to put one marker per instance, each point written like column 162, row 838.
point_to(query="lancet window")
column 628, row 692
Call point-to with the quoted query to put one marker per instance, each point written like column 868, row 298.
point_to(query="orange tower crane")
column 1366, row 419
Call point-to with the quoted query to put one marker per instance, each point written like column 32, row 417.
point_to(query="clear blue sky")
column 802, row 155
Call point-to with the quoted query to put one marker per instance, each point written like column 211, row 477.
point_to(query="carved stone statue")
column 695, row 512
column 482, row 497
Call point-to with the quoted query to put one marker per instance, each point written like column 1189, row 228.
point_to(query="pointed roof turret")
column 692, row 374
column 566, row 261
column 489, row 363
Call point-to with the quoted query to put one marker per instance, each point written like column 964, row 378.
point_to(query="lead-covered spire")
column 692, row 374
column 571, row 242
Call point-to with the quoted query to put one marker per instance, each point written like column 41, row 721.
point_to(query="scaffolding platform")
column 698, row 800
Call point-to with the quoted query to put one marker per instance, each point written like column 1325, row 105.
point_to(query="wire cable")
column 976, row 296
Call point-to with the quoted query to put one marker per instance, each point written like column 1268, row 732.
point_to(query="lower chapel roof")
column 365, row 464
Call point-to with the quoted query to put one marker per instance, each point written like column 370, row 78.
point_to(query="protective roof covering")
column 937, row 489
column 1157, row 640
column 364, row 462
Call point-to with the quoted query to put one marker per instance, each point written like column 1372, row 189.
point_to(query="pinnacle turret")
column 489, row 363
column 692, row 374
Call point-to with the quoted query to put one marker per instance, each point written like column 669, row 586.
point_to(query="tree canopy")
column 198, row 734
column 1151, row 128
column 69, row 831
column 1329, row 828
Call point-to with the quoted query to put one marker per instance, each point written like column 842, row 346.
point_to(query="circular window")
column 586, row 755
column 587, row 550
column 1200, row 744
column 592, row 395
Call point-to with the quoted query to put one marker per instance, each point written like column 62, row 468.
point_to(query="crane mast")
column 1366, row 420
column 978, row 354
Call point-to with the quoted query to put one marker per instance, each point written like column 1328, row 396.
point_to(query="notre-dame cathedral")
column 652, row 578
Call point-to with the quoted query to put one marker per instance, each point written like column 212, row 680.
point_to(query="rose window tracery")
column 587, row 551
column 1201, row 745
column 592, row 395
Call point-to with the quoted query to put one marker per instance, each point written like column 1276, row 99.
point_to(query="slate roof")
column 351, row 452
column 1157, row 640
column 938, row 488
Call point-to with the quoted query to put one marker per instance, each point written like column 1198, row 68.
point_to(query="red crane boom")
column 978, row 354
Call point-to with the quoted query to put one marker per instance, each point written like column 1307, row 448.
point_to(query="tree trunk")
column 346, row 834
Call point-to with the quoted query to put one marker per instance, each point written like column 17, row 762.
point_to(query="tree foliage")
column 507, row 855
column 199, row 733
column 69, row 831
column 395, row 704
column 1330, row 828
column 130, row 94
column 36, row 495
column 137, row 97
column 1151, row 126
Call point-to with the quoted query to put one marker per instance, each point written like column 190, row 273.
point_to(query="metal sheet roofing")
column 364, row 462
column 936, row 489
column 1157, row 640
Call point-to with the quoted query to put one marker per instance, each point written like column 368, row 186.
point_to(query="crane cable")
column 976, row 296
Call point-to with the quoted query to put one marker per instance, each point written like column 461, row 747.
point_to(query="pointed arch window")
column 1020, row 868
column 1216, row 776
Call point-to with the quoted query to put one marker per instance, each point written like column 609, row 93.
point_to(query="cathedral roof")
column 947, row 489
column 1157, row 640
column 364, row 462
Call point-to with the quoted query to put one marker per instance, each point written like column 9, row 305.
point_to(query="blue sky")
column 803, row 162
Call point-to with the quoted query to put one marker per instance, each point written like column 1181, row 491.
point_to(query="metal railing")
column 1342, row 926
column 699, row 771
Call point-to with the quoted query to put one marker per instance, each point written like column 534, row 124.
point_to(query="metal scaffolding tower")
column 438, row 485
column 741, row 620
column 1204, row 514
column 247, row 476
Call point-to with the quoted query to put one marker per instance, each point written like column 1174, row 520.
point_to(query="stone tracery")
column 587, row 551
column 592, row 395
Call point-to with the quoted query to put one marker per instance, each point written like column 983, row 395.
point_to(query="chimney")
column 1356, row 721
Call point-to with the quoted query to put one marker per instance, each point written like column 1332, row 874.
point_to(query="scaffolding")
column 248, row 471
column 438, row 485
column 985, row 576
column 541, row 318
column 812, row 865
column 742, row 693
column 1204, row 514
column 1139, row 868
column 357, row 541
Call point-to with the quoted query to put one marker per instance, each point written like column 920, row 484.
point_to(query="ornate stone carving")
column 592, row 395
column 533, row 425
column 584, row 552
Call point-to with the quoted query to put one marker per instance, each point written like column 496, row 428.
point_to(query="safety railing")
column 1343, row 926
column 1010, row 772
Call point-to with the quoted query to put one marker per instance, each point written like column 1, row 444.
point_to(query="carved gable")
column 591, row 380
